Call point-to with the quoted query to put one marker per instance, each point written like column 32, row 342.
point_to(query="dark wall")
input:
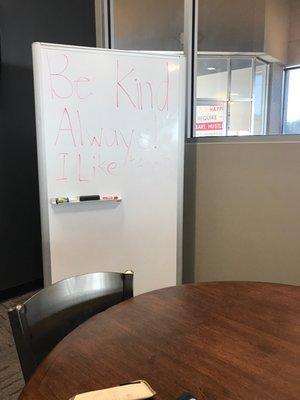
column 21, row 23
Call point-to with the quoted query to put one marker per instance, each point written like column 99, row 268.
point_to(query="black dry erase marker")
column 89, row 198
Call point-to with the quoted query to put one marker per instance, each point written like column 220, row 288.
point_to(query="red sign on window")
column 216, row 126
column 210, row 120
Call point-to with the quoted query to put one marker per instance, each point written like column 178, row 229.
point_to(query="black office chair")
column 49, row 315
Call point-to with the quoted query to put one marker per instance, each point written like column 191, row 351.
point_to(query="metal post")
column 104, row 23
column 190, row 51
column 99, row 23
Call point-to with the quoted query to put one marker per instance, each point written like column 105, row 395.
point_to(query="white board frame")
column 41, row 150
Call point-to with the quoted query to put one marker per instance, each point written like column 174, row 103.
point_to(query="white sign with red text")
column 210, row 120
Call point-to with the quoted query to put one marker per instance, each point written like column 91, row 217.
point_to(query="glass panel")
column 259, row 97
column 241, row 79
column 231, row 26
column 148, row 24
column 292, row 113
column 239, row 118
column 212, row 78
column 237, row 29
column 210, row 119
column 267, row 29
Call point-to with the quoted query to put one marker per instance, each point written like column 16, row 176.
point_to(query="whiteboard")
column 110, row 123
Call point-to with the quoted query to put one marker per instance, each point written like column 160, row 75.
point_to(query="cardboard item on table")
column 137, row 390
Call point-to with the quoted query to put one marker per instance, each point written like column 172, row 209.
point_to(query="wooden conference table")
column 216, row 340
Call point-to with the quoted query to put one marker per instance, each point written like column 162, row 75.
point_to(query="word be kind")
column 126, row 84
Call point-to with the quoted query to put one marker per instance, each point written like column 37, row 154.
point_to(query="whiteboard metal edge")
column 180, row 167
column 163, row 55
column 41, row 154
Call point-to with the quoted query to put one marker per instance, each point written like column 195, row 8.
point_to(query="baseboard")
column 21, row 289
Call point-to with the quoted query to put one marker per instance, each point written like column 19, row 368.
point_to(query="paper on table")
column 138, row 390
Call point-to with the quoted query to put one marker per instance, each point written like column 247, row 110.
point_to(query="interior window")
column 242, row 51
column 231, row 96
column 237, row 84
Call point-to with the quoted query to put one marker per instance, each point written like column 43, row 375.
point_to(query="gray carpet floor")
column 11, row 379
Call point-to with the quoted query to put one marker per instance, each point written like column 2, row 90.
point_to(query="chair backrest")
column 49, row 315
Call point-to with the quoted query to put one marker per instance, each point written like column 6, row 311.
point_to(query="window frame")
column 286, row 78
column 230, row 58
